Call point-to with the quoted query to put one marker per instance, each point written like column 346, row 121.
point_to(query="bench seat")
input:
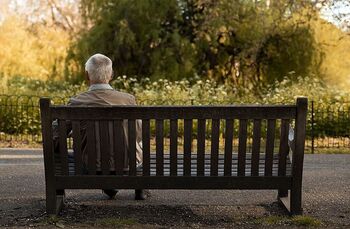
column 180, row 165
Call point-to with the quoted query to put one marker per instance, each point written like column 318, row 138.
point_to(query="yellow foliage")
column 35, row 51
column 336, row 47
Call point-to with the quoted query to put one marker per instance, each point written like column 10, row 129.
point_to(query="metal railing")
column 20, row 118
column 328, row 127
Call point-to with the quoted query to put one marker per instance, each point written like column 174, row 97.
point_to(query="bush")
column 20, row 114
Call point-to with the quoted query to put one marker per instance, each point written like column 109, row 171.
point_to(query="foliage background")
column 250, row 44
column 20, row 114
column 174, row 52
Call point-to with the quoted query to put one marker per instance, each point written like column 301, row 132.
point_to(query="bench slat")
column 104, row 146
column 283, row 153
column 207, row 166
column 221, row 162
column 173, row 146
column 242, row 146
column 161, row 182
column 187, row 146
column 77, row 146
column 234, row 169
column 91, row 147
column 215, row 131
column 119, row 146
column 62, row 128
column 207, row 156
column 146, row 146
column 228, row 146
column 132, row 146
column 284, row 149
column 256, row 146
column 159, row 146
column 200, row 146
column 174, row 112
column 207, row 172
column 270, row 143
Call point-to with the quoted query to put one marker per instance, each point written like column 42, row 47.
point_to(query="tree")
column 62, row 14
column 30, row 48
column 250, row 43
column 142, row 38
column 239, row 42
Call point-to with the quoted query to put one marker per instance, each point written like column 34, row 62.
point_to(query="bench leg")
column 295, row 202
column 291, row 202
column 54, row 201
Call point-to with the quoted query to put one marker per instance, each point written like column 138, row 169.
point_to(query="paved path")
column 326, row 192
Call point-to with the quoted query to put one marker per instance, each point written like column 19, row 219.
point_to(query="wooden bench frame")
column 56, row 183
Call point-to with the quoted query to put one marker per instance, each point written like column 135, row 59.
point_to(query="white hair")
column 99, row 68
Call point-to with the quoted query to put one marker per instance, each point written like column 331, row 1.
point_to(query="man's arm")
column 138, row 137
column 138, row 124
column 55, row 132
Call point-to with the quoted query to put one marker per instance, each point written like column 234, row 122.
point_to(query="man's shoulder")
column 78, row 97
column 121, row 94
column 102, row 97
column 120, row 97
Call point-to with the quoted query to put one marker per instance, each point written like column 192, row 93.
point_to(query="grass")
column 304, row 221
column 115, row 222
column 52, row 220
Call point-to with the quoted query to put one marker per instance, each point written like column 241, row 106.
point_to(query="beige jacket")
column 101, row 95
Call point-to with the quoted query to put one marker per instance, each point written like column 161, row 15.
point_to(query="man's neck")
column 100, row 86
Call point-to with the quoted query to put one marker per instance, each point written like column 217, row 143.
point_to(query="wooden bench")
column 194, row 165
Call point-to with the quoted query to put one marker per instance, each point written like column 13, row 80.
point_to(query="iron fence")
column 20, row 118
column 328, row 126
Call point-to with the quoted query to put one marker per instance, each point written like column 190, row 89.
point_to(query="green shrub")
column 19, row 112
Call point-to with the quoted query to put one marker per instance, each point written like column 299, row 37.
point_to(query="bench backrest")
column 195, row 120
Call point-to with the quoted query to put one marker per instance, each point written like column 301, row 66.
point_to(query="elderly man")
column 98, row 72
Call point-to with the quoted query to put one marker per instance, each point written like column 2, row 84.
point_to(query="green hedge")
column 19, row 114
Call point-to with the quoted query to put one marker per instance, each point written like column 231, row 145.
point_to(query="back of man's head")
column 99, row 68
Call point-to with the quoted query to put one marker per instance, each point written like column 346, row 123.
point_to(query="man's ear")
column 87, row 77
column 112, row 76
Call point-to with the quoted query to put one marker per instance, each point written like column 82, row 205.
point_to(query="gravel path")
column 326, row 198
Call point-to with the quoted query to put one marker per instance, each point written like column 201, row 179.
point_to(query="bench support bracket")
column 285, row 202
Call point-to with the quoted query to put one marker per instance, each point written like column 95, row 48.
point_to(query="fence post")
column 312, row 128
